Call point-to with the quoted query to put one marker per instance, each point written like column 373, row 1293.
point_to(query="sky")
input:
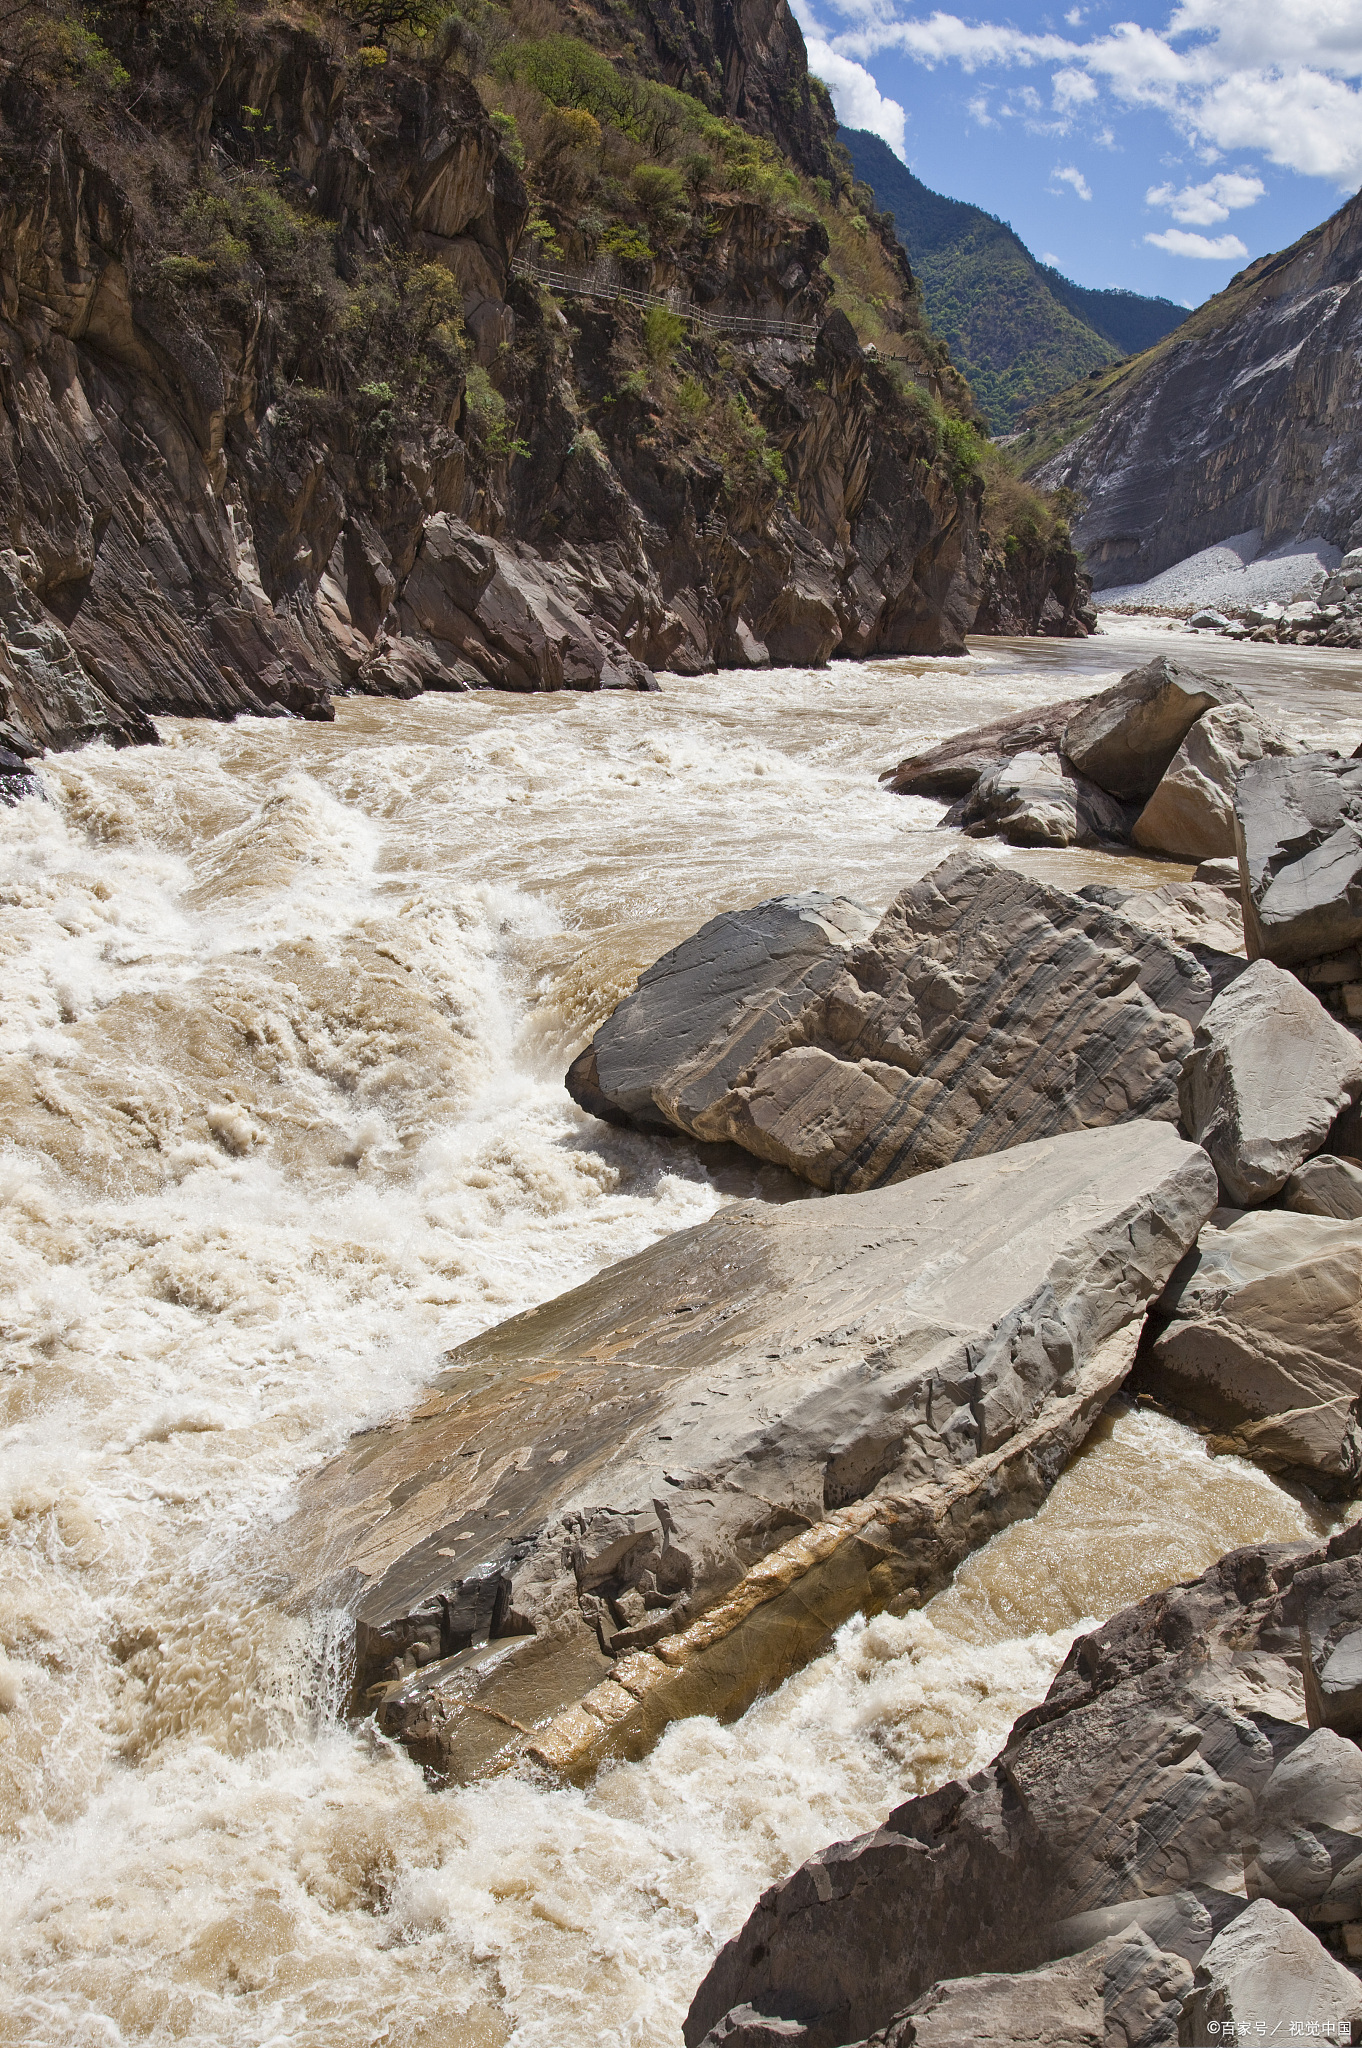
column 1159, row 147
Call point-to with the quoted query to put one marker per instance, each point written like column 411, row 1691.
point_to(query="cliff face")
column 1249, row 416
column 280, row 417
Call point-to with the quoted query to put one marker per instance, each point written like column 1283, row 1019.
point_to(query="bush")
column 487, row 410
column 663, row 333
column 628, row 244
column 660, row 192
column 960, row 447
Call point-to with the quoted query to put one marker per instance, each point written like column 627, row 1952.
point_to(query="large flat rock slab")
column 951, row 768
column 656, row 1495
column 1298, row 835
column 985, row 1010
column 1168, row 1779
column 1259, row 1335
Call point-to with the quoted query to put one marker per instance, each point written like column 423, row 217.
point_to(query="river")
column 285, row 1013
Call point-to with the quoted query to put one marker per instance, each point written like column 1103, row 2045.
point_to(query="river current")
column 284, row 1011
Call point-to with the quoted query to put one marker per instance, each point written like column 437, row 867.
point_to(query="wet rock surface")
column 1180, row 1768
column 984, row 1011
column 1269, row 1073
column 1258, row 1336
column 658, row 1494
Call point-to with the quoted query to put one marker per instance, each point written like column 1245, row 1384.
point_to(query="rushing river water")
column 285, row 1013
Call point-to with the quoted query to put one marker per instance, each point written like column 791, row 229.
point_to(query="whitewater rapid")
column 284, row 1015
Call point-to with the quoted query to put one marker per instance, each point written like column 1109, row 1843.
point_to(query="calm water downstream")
column 285, row 1012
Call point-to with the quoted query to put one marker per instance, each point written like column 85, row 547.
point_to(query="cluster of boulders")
column 1151, row 762
column 1333, row 619
column 1167, row 1850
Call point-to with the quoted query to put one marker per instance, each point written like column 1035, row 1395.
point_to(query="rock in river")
column 1039, row 800
column 1168, row 1778
column 1269, row 1073
column 1125, row 738
column 1259, row 1335
column 1191, row 813
column 658, row 1494
column 952, row 768
column 985, row 1010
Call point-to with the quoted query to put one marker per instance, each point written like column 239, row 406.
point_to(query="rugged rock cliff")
column 1248, row 417
column 281, row 416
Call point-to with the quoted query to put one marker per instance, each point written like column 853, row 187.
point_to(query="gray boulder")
column 1191, row 813
column 701, row 1013
column 1036, row 799
column 952, row 768
column 1325, row 1186
column 1259, row 1335
column 1298, row 833
column 1269, row 1072
column 1275, row 1978
column 1125, row 738
column 657, row 1495
column 984, row 1011
column 1123, row 1991
column 1169, row 1760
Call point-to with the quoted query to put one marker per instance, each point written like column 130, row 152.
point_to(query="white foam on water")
column 286, row 1011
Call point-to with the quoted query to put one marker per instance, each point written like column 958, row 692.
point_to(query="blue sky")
column 1159, row 147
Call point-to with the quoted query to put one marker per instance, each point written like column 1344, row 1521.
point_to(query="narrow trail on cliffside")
column 287, row 1012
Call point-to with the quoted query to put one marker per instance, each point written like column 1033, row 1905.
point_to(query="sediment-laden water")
column 284, row 1011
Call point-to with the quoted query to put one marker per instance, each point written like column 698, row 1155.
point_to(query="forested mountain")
column 1018, row 329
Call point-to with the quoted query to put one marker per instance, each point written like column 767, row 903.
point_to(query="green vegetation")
column 1018, row 330
column 663, row 333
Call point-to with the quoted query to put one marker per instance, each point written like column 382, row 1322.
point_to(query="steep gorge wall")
column 225, row 488
column 1249, row 416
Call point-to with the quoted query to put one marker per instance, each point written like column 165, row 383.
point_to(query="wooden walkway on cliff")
column 602, row 281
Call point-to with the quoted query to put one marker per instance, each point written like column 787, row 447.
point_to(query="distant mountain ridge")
column 1019, row 330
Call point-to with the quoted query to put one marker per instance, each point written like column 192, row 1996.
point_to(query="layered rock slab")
column 1124, row 1993
column 1170, row 1762
column 985, row 1010
column 1259, row 1335
column 954, row 765
column 1269, row 1074
column 658, row 1494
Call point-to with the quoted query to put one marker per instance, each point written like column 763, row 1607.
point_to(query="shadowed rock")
column 984, row 1011
column 658, row 1494
column 1125, row 738
column 1259, row 1335
column 1298, row 827
column 1169, row 1762
column 1269, row 1073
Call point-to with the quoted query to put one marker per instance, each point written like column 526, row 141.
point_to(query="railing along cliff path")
column 602, row 281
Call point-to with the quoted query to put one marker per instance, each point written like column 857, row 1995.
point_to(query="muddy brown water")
column 285, row 1012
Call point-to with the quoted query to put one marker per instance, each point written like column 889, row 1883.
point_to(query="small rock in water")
column 1208, row 620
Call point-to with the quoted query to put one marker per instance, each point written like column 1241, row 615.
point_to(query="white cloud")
column 1200, row 206
column 1277, row 76
column 1072, row 89
column 857, row 98
column 1049, row 256
column 978, row 111
column 1179, row 243
column 1071, row 175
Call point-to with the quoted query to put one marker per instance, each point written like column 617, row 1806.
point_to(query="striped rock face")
column 658, row 1494
column 986, row 1010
